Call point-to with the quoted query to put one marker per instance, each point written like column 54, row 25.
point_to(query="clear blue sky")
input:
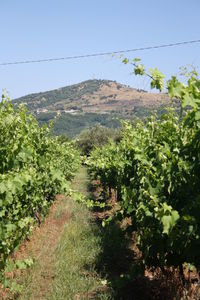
column 55, row 28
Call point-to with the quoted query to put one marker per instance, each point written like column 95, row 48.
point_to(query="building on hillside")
column 42, row 110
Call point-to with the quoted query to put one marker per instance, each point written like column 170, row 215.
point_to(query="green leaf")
column 169, row 221
column 21, row 264
column 136, row 59
column 125, row 61
column 175, row 88
column 9, row 266
column 157, row 79
column 197, row 115
column 188, row 100
column 10, row 227
column 139, row 69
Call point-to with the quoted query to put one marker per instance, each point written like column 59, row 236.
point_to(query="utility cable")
column 98, row 54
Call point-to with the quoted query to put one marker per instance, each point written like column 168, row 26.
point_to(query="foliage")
column 45, row 117
column 33, row 169
column 95, row 137
column 73, row 125
column 155, row 170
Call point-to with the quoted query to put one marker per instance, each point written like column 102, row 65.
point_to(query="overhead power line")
column 98, row 54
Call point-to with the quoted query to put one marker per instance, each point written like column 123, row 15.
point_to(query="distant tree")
column 96, row 137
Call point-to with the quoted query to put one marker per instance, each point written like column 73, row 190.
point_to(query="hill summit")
column 91, row 103
column 93, row 96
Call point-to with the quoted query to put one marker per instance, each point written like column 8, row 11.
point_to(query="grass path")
column 77, row 254
column 65, row 248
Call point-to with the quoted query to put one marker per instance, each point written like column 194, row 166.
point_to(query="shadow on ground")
column 123, row 267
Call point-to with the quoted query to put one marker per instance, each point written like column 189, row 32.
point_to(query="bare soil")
column 40, row 247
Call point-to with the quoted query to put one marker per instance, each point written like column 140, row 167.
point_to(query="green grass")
column 76, row 255
column 81, row 181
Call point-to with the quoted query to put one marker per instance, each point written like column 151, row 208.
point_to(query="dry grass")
column 125, row 98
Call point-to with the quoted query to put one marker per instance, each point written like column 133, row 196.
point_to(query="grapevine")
column 155, row 170
column 34, row 167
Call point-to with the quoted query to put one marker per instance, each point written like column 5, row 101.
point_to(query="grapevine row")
column 155, row 170
column 33, row 168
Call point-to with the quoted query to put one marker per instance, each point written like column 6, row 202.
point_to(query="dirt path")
column 41, row 247
column 65, row 249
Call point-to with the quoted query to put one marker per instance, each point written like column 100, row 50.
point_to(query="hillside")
column 89, row 103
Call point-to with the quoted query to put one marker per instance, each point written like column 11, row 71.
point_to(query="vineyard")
column 151, row 171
